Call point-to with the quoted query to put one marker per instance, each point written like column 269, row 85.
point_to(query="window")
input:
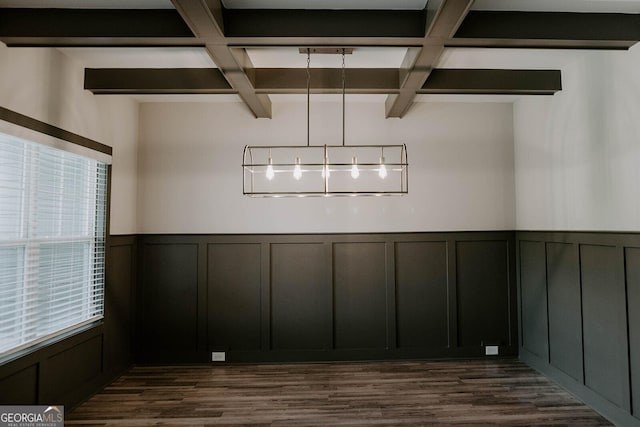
column 52, row 241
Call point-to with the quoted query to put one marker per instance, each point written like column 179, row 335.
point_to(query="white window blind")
column 52, row 242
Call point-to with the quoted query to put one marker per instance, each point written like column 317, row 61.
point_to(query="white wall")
column 47, row 85
column 577, row 154
column 190, row 179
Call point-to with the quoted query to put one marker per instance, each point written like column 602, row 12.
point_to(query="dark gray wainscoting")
column 315, row 297
column 579, row 295
column 67, row 371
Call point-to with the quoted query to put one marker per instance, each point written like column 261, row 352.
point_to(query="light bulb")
column 355, row 173
column 270, row 173
column 297, row 171
column 382, row 172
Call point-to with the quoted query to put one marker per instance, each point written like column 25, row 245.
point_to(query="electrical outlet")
column 491, row 350
column 218, row 356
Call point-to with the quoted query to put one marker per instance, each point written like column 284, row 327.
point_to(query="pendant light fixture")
column 325, row 170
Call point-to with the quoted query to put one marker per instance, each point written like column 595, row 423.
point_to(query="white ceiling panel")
column 184, row 98
column 161, row 57
column 500, row 99
column 593, row 6
column 532, row 59
column 374, row 57
column 89, row 4
column 317, row 98
column 326, row 4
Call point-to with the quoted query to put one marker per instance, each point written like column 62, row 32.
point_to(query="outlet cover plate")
column 491, row 350
column 218, row 356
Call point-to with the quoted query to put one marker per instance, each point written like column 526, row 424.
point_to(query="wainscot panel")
column 69, row 369
column 604, row 323
column 535, row 327
column 168, row 303
column 360, row 295
column 300, row 298
column 233, row 277
column 593, row 282
column 421, row 294
column 565, row 310
column 119, row 303
column 268, row 298
column 20, row 388
column 483, row 293
column 632, row 262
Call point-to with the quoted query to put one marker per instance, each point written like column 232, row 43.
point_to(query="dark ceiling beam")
column 548, row 30
column 211, row 80
column 132, row 42
column 539, row 44
column 165, row 27
column 492, row 82
column 323, row 80
column 251, row 28
column 296, row 23
column 554, row 30
column 326, row 80
column 94, row 27
column 204, row 18
column 297, row 42
column 156, row 81
column 443, row 17
column 352, row 28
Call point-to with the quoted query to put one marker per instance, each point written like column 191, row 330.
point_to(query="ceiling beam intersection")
column 204, row 18
column 443, row 19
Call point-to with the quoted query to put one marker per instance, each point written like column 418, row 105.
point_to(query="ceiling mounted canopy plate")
column 326, row 50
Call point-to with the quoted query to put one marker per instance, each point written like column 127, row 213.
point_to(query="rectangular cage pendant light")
column 325, row 170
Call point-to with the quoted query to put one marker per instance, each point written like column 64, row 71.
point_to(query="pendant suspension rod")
column 308, row 92
column 343, row 102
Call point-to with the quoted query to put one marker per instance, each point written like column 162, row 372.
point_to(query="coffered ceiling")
column 401, row 49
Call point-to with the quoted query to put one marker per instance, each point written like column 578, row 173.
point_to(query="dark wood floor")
column 479, row 392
